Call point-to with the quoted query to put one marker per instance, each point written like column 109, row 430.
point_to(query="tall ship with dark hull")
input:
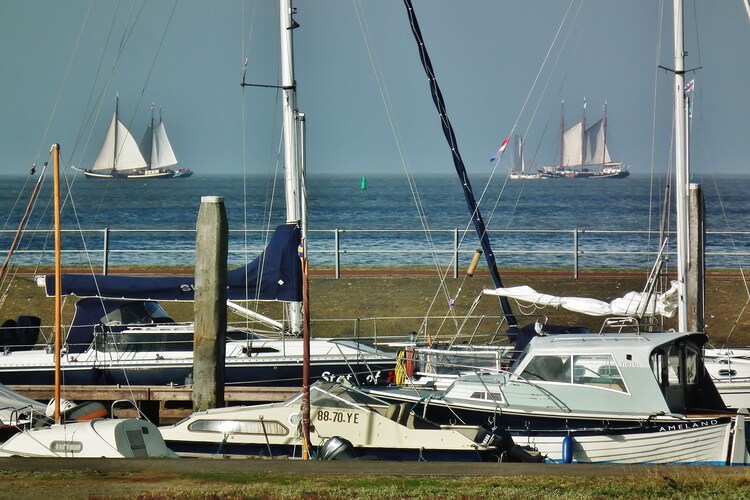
column 584, row 153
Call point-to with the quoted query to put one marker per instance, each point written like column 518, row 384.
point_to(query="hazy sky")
column 63, row 62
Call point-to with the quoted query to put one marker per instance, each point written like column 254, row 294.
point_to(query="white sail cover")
column 596, row 147
column 124, row 155
column 631, row 304
column 573, row 146
column 162, row 154
column 12, row 404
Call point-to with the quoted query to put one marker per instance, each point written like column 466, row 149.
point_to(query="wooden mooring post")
column 210, row 306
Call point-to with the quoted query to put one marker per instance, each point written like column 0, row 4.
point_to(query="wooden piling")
column 209, row 345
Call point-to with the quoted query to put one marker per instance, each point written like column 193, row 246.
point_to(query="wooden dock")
column 161, row 404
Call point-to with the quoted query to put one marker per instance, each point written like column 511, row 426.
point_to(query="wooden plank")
column 147, row 393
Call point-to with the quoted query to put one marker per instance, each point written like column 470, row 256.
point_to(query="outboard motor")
column 337, row 448
column 510, row 451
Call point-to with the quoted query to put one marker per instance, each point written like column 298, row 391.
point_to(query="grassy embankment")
column 368, row 294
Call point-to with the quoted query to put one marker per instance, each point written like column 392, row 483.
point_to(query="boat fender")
column 567, row 449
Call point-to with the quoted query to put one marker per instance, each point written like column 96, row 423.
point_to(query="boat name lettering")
column 344, row 417
column 371, row 379
column 188, row 287
column 689, row 425
column 630, row 364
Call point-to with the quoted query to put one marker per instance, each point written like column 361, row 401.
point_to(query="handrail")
column 565, row 249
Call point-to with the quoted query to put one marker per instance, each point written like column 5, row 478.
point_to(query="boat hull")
column 159, row 372
column 149, row 174
column 99, row 438
column 372, row 430
column 695, row 442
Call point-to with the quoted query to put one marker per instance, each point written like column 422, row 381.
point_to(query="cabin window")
column 598, row 370
column 548, row 369
column 487, row 396
column 264, row 427
column 673, row 365
column 137, row 313
column 691, row 365
column 657, row 366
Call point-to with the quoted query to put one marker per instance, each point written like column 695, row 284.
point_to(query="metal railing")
column 561, row 249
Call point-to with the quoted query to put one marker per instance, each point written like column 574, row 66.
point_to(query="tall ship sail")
column 120, row 156
column 584, row 153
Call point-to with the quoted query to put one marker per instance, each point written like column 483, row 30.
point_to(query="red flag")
column 500, row 151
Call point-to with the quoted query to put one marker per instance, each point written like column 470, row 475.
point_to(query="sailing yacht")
column 584, row 153
column 518, row 165
column 121, row 158
column 158, row 150
column 574, row 396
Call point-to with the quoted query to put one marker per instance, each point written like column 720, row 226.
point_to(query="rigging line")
column 153, row 62
column 731, row 236
column 657, row 72
column 243, row 103
column 450, row 137
column 64, row 80
column 551, row 73
column 549, row 77
column 158, row 49
column 539, row 73
column 388, row 106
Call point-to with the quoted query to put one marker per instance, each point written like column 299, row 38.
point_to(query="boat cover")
column 631, row 304
column 274, row 275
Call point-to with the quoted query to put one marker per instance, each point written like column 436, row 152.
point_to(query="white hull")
column 717, row 444
column 100, row 438
column 730, row 371
column 371, row 426
column 148, row 174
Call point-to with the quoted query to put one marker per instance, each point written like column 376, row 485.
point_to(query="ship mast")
column 681, row 167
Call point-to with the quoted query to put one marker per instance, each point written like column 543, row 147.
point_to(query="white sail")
column 119, row 150
column 162, row 154
column 516, row 155
column 573, row 146
column 596, row 147
column 147, row 140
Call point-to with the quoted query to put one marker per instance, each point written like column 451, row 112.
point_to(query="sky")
column 503, row 66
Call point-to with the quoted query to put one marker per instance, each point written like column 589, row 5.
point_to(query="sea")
column 562, row 224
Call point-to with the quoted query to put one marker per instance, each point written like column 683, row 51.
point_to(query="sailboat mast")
column 458, row 163
column 562, row 132
column 293, row 128
column 58, row 277
column 290, row 139
column 583, row 134
column 117, row 122
column 681, row 167
column 604, row 149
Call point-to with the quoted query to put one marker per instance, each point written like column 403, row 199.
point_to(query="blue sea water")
column 532, row 223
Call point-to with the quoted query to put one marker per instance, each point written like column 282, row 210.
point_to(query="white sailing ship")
column 121, row 158
column 584, row 153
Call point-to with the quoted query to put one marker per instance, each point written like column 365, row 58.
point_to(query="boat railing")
column 575, row 249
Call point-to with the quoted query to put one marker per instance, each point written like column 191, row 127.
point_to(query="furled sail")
column 119, row 150
column 573, row 146
column 274, row 275
column 634, row 304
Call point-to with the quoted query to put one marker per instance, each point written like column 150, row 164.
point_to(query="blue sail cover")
column 275, row 275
